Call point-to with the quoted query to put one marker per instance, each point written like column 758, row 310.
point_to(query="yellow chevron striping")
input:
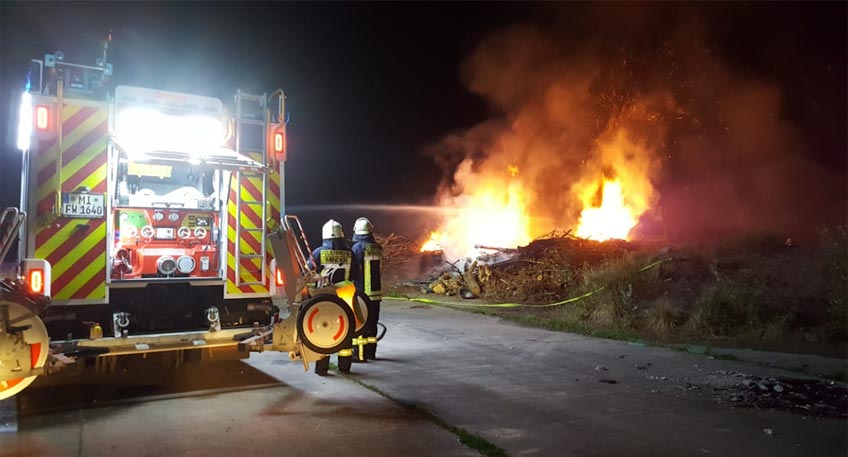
column 57, row 239
column 245, row 273
column 70, row 110
column 84, row 128
column 76, row 253
column 44, row 157
column 95, row 178
column 99, row 291
column 84, row 158
column 244, row 247
column 85, row 275
column 248, row 195
column 245, row 221
column 68, row 141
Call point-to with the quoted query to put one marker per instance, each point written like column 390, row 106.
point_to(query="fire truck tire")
column 325, row 324
column 35, row 336
column 362, row 304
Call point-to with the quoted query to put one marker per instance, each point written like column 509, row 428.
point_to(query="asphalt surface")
column 527, row 391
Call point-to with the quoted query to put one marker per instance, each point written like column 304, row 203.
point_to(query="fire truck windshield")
column 152, row 185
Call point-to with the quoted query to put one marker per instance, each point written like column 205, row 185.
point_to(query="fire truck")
column 153, row 221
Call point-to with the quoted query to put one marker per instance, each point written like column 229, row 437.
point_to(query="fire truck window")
column 207, row 182
column 171, row 186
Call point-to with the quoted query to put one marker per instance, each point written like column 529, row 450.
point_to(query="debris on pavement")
column 809, row 397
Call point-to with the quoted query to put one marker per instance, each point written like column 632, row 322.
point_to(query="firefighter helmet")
column 332, row 229
column 363, row 226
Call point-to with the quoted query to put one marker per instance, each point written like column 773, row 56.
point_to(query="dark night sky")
column 367, row 85
column 370, row 85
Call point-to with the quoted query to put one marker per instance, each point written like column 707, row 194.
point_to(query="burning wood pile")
column 547, row 269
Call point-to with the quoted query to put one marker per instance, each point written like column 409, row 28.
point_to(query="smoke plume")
column 699, row 147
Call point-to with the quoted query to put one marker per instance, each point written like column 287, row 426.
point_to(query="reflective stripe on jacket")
column 334, row 261
column 368, row 256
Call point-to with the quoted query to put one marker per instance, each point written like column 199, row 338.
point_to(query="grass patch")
column 566, row 325
column 663, row 318
column 473, row 441
column 738, row 307
column 833, row 244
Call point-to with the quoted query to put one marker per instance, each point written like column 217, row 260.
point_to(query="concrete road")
column 527, row 391
column 538, row 393
column 217, row 409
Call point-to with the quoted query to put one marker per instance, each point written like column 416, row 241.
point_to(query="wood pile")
column 547, row 269
column 397, row 250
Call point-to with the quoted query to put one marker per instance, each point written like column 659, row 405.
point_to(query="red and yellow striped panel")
column 75, row 248
column 272, row 214
column 248, row 241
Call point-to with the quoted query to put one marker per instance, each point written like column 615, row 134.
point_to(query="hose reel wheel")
column 325, row 324
column 14, row 354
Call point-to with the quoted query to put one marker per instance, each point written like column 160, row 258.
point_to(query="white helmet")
column 362, row 226
column 332, row 229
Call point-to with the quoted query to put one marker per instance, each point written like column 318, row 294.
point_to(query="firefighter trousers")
column 371, row 328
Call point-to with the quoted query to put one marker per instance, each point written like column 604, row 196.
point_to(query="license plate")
column 89, row 206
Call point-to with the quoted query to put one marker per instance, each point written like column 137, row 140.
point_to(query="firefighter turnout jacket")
column 334, row 260
column 368, row 259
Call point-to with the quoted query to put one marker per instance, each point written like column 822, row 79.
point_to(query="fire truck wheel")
column 35, row 336
column 361, row 305
column 325, row 324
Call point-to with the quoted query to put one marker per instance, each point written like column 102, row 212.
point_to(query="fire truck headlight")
column 25, row 122
column 166, row 265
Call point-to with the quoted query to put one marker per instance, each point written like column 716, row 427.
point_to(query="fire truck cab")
column 153, row 221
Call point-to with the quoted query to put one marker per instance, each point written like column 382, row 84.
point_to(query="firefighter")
column 333, row 260
column 368, row 259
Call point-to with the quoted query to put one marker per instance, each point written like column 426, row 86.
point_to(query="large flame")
column 435, row 242
column 612, row 219
column 611, row 191
column 492, row 213
column 613, row 204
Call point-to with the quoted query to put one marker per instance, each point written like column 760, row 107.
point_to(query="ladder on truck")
column 302, row 251
column 250, row 140
column 10, row 221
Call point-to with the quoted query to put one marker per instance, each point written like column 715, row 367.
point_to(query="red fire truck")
column 152, row 221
